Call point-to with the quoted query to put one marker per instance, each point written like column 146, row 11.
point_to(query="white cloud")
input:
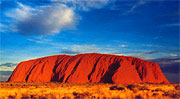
column 5, row 68
column 152, row 45
column 178, row 61
column 166, row 61
column 173, row 24
column 137, row 4
column 45, row 20
column 84, row 4
column 85, row 48
column 123, row 45
column 1, row 51
column 3, row 28
column 174, row 55
column 22, row 12
column 39, row 40
column 4, row 77
column 50, row 19
column 2, row 25
column 70, row 52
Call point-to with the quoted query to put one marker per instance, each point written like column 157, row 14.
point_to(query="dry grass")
column 93, row 91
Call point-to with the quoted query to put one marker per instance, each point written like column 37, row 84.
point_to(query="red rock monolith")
column 88, row 68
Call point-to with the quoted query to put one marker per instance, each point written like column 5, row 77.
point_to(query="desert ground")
column 57, row 90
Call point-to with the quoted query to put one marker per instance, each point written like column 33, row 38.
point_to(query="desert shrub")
column 143, row 88
column 175, row 95
column 11, row 97
column 177, row 87
column 116, row 98
column 158, row 89
column 93, row 97
column 131, row 87
column 165, row 94
column 155, row 94
column 81, row 95
column 120, row 88
column 52, row 96
column 138, row 97
column 75, row 93
column 171, row 94
column 25, row 96
column 33, row 97
column 104, row 98
column 116, row 88
column 66, row 97
column 112, row 87
column 41, row 97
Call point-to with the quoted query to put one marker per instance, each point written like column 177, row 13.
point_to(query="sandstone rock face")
column 88, row 68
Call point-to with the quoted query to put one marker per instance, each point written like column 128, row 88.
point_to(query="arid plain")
column 57, row 90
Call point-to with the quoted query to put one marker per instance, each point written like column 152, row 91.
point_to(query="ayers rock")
column 88, row 68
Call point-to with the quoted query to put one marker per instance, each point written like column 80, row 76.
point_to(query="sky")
column 147, row 29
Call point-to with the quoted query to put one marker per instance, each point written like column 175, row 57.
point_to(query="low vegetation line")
column 57, row 90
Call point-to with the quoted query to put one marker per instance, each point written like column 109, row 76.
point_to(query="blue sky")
column 148, row 29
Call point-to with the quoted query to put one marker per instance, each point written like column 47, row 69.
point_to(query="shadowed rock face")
column 88, row 68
